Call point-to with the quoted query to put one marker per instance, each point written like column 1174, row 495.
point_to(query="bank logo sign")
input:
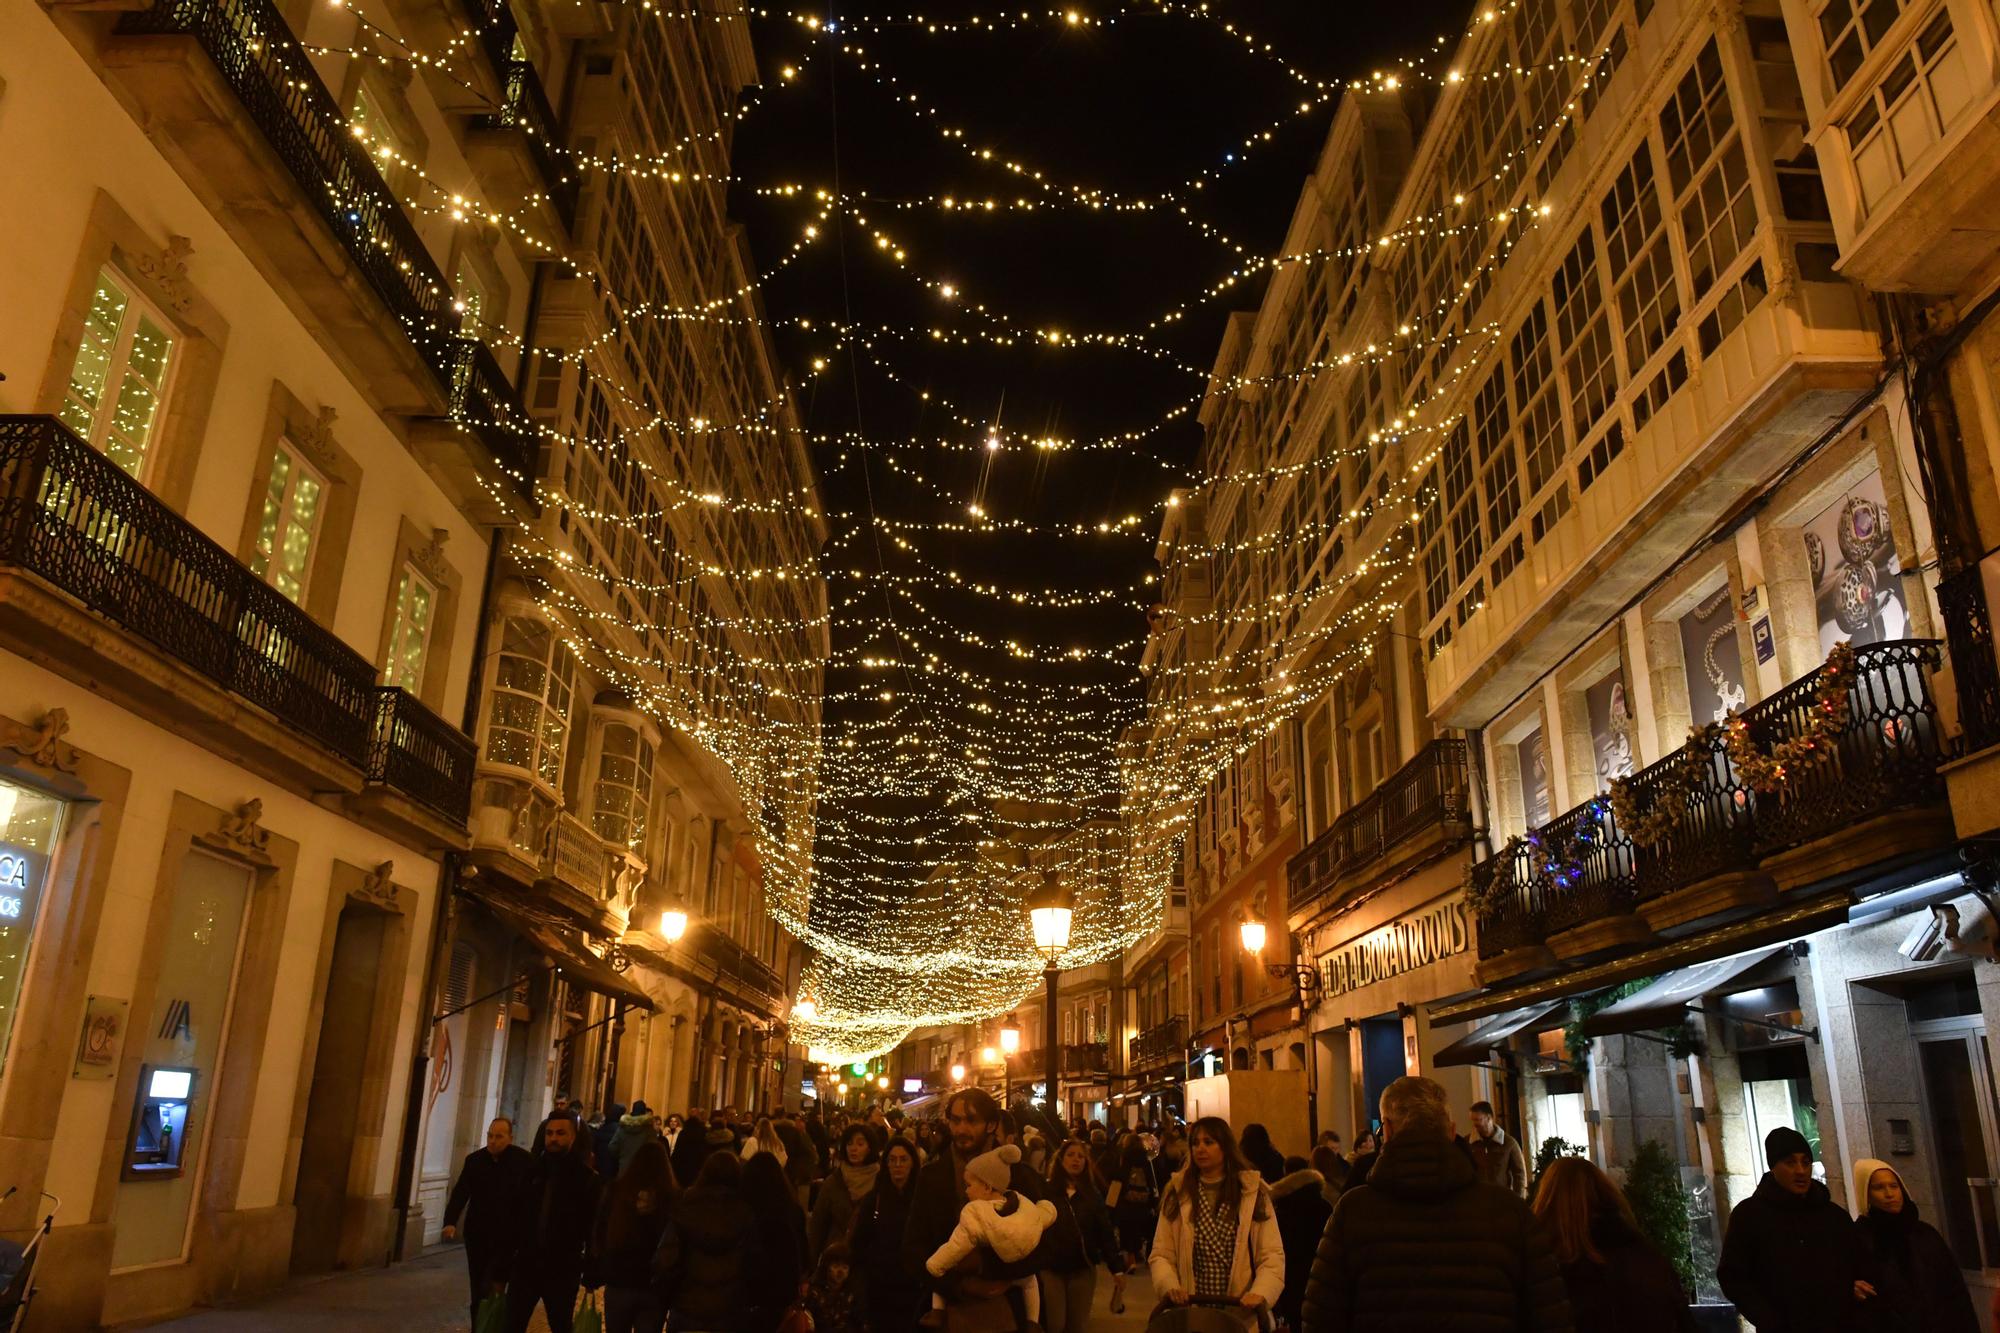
column 1405, row 944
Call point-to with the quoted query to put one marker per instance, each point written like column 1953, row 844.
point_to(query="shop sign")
column 1403, row 945
column 103, row 1037
column 14, row 886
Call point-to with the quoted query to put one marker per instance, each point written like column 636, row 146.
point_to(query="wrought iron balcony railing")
column 1427, row 791
column 524, row 104
column 1968, row 627
column 75, row 519
column 418, row 753
column 1884, row 760
column 1160, row 1043
column 259, row 57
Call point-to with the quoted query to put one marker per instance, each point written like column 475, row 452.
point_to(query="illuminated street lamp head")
column 989, row 1056
column 883, row 1082
column 805, row 1011
column 673, row 922
column 1010, row 1037
column 1253, row 935
column 958, row 1073
column 1049, row 909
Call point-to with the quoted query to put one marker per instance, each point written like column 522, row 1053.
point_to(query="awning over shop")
column 571, row 959
column 1666, row 1002
column 1477, row 1045
column 916, row 1106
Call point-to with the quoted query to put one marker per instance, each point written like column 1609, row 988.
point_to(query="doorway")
column 1381, row 1064
column 1957, row 1072
column 326, row 1154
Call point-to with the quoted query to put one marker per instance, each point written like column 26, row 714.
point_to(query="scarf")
column 859, row 1179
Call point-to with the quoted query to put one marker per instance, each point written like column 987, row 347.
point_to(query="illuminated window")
column 534, row 680
column 410, row 635
column 290, row 522
column 624, row 788
column 118, row 383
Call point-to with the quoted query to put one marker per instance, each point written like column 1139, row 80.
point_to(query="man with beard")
column 973, row 1119
column 553, row 1213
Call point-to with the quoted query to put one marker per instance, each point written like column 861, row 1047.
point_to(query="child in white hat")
column 996, row 1219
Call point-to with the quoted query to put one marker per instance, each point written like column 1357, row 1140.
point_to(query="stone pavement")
column 427, row 1295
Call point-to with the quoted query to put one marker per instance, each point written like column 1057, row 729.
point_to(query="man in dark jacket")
column 711, row 1261
column 553, row 1215
column 1300, row 1200
column 601, row 1136
column 973, row 1118
column 484, row 1195
column 1424, row 1245
column 690, row 1147
column 1791, row 1256
column 1497, row 1157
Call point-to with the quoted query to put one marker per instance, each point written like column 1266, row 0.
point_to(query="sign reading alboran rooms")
column 1405, row 944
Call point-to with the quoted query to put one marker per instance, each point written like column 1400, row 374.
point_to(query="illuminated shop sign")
column 1403, row 945
column 14, row 885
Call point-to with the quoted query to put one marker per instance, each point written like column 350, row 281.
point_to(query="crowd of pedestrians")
column 1001, row 1219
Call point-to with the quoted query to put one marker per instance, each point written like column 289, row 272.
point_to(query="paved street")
column 427, row 1295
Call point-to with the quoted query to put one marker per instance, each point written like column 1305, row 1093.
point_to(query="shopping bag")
column 492, row 1317
column 589, row 1317
column 798, row 1319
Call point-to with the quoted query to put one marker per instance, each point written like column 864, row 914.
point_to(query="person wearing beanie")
column 970, row 1130
column 998, row 1221
column 1913, row 1272
column 1792, row 1261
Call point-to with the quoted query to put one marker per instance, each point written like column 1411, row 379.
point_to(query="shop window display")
column 1612, row 731
column 1714, row 664
column 1857, row 583
column 30, row 823
column 1534, row 759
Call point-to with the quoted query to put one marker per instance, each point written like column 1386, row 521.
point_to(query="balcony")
column 1420, row 806
column 1733, row 850
column 235, row 103
column 525, row 125
column 77, row 532
column 1161, row 1044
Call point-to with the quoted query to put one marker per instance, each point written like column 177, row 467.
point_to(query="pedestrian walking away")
column 630, row 1221
column 481, row 1206
column 1617, row 1281
column 1218, row 1236
column 637, row 1126
column 1498, row 1158
column 1791, row 1258
column 710, row 1261
column 1260, row 1153
column 1424, row 1245
column 1301, row 1199
column 554, row 1212
column 1910, row 1270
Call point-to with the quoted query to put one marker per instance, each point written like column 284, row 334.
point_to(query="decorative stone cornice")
column 245, row 827
column 167, row 271
column 429, row 558
column 44, row 746
column 378, row 886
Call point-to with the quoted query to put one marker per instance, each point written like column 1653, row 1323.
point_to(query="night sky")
column 1136, row 108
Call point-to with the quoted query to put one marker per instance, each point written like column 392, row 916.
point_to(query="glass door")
column 1958, row 1094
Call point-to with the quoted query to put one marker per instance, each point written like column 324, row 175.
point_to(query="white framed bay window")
column 534, row 685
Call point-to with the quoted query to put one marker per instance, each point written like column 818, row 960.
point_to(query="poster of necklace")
column 1534, row 757
column 1714, row 663
column 1611, row 730
column 1855, row 573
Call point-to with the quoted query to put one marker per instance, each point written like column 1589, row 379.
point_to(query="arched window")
column 533, row 685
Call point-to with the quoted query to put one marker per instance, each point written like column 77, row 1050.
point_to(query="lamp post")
column 1305, row 981
column 1049, row 909
column 1010, row 1042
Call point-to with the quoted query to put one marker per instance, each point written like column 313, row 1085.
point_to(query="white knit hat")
column 991, row 1168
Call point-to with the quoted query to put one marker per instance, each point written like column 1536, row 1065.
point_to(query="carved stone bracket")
column 316, row 438
column 44, row 746
column 245, row 828
column 429, row 558
column 378, row 886
column 167, row 271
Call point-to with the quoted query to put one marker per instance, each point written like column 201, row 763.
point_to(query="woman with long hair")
column 781, row 1224
column 1083, row 1238
column 631, row 1218
column 1616, row 1279
column 709, row 1258
column 764, row 1139
column 889, row 1289
column 856, row 1163
column 1218, row 1231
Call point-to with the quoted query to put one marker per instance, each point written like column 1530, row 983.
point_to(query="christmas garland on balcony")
column 1561, row 864
column 1767, row 771
column 1671, row 804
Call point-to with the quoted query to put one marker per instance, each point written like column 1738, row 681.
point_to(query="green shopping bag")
column 492, row 1317
column 589, row 1318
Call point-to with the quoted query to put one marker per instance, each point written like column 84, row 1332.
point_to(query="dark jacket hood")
column 712, row 1219
column 1771, row 1192
column 1296, row 1181
column 1424, row 1169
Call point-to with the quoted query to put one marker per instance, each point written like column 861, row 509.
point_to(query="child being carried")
column 997, row 1220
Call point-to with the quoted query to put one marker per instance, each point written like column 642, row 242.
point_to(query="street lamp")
column 883, row 1083
column 1305, row 981
column 1010, row 1042
column 957, row 1075
column 1050, row 907
column 1253, row 934
column 674, row 921
column 805, row 1011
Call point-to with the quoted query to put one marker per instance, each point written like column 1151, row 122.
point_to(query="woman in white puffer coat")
column 1218, row 1236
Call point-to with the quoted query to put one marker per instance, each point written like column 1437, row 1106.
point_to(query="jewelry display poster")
column 1611, row 730
column 1534, row 759
column 1855, row 574
column 1714, row 660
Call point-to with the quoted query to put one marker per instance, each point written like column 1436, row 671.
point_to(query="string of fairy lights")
column 893, row 838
